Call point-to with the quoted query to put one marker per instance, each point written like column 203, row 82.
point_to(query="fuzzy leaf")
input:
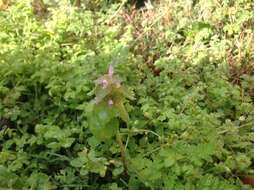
column 103, row 131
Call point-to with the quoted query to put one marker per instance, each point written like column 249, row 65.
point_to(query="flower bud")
column 111, row 71
column 110, row 103
column 105, row 84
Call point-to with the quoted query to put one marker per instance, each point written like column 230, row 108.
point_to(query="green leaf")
column 118, row 171
column 169, row 161
column 123, row 90
column 83, row 171
column 53, row 132
column 169, row 157
column 133, row 183
column 80, row 161
column 54, row 145
column 120, row 111
column 93, row 142
column 40, row 181
column 103, row 113
column 8, row 179
column 102, row 93
column 103, row 131
column 67, row 142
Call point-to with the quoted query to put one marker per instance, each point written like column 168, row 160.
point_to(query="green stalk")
column 119, row 140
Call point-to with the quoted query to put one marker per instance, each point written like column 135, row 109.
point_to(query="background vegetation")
column 190, row 64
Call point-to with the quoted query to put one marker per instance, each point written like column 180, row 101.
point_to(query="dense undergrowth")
column 190, row 65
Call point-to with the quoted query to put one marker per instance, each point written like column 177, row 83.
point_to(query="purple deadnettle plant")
column 108, row 105
column 104, row 111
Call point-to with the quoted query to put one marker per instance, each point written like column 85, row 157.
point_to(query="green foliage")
column 189, row 127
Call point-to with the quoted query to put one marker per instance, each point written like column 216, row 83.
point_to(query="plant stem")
column 118, row 137
column 244, row 125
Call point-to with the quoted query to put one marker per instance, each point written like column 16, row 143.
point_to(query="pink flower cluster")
column 106, row 81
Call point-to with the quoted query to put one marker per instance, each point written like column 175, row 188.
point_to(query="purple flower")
column 110, row 103
column 105, row 84
column 111, row 71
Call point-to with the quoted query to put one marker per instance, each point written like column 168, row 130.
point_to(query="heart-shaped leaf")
column 103, row 131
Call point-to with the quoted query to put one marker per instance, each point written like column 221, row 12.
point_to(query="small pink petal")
column 105, row 84
column 110, row 103
column 111, row 71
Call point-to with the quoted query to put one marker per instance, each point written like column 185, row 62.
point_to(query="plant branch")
column 135, row 130
column 244, row 125
column 119, row 140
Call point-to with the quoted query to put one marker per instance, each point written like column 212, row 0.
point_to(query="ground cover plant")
column 105, row 95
